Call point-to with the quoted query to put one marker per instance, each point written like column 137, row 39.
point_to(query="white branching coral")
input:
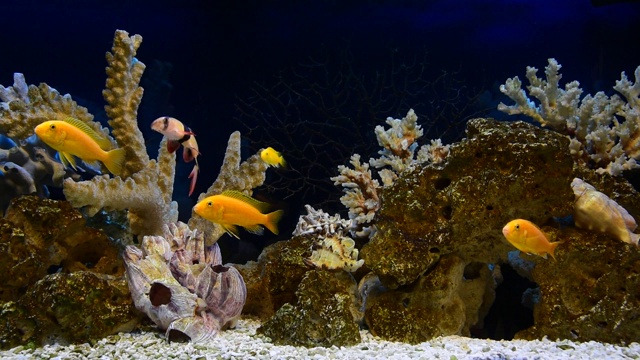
column 399, row 147
column 361, row 193
column 604, row 131
column 398, row 142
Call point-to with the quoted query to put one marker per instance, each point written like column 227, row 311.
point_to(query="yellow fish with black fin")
column 273, row 157
column 73, row 137
column 233, row 208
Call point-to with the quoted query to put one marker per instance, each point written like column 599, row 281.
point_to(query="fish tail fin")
column 115, row 161
column 272, row 221
column 552, row 248
column 283, row 163
column 194, row 177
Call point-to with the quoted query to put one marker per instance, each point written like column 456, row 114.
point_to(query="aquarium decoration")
column 182, row 285
column 604, row 130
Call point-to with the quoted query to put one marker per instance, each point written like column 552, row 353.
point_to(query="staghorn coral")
column 181, row 284
column 233, row 175
column 604, row 131
column 145, row 186
column 24, row 107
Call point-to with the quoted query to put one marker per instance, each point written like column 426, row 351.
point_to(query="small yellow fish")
column 273, row 158
column 73, row 137
column 528, row 238
column 232, row 209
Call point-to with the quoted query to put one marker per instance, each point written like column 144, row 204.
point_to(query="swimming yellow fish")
column 73, row 137
column 273, row 158
column 528, row 238
column 232, row 209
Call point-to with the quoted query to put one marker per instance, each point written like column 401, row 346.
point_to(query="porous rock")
column 592, row 293
column 323, row 316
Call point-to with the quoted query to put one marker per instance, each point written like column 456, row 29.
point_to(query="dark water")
column 337, row 67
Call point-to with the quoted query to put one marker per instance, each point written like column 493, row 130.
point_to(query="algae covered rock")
column 592, row 293
column 70, row 308
column 447, row 300
column 502, row 171
column 59, row 281
column 323, row 316
column 273, row 279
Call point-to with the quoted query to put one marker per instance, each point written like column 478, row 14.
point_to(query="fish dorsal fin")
column 259, row 205
column 103, row 142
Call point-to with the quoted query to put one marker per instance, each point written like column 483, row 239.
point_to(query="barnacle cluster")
column 331, row 248
column 182, row 285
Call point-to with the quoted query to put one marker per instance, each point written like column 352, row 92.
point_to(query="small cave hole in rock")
column 507, row 314
column 55, row 268
column 434, row 250
column 472, row 270
column 405, row 302
column 446, row 212
column 159, row 294
column 178, row 336
column 489, row 207
column 442, row 183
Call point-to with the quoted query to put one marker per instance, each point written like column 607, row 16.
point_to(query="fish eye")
column 52, row 126
column 210, row 203
column 517, row 226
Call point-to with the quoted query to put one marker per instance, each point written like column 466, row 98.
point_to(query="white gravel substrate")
column 243, row 343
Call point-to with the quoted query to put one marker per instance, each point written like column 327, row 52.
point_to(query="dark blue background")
column 219, row 49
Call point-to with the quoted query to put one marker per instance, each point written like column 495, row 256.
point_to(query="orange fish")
column 233, row 208
column 177, row 134
column 73, row 137
column 528, row 238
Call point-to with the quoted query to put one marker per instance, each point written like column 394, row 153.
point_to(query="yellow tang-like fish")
column 73, row 137
column 232, row 209
column 273, row 158
column 528, row 238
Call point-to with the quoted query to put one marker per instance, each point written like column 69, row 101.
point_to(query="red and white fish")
column 177, row 134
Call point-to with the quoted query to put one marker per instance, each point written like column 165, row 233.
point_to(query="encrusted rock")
column 591, row 293
column 273, row 279
column 323, row 316
column 448, row 300
column 502, row 171
column 50, row 258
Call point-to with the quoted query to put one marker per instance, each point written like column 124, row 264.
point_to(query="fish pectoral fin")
column 172, row 146
column 255, row 229
column 232, row 230
column 67, row 160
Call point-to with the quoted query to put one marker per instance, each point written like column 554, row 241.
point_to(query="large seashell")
column 182, row 286
column 594, row 210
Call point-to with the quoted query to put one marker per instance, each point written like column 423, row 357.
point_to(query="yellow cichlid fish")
column 528, row 238
column 273, row 158
column 232, row 209
column 73, row 137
